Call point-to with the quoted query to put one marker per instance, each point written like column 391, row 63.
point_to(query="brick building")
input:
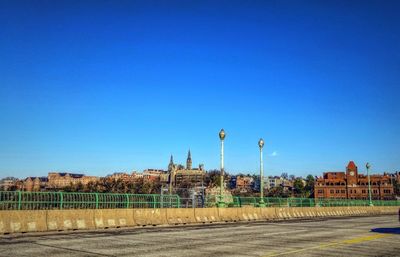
column 351, row 185
column 125, row 177
column 35, row 183
column 241, row 182
column 8, row 183
column 179, row 174
column 61, row 180
column 154, row 175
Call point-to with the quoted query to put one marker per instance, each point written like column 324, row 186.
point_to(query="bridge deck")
column 356, row 236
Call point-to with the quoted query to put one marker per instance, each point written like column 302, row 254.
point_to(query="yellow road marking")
column 321, row 246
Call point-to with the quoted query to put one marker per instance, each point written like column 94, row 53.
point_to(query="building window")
column 343, row 191
column 320, row 191
column 332, row 191
column 337, row 191
column 363, row 191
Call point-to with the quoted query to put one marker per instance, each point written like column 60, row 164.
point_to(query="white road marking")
column 285, row 232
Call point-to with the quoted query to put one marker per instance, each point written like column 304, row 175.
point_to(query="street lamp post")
column 261, row 145
column 368, row 166
column 221, row 202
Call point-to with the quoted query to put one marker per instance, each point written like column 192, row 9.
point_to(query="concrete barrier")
column 180, row 216
column 318, row 212
column 206, row 215
column 144, row 217
column 249, row 213
column 302, row 212
column 54, row 220
column 22, row 221
column 113, row 218
column 70, row 219
column 284, row 213
column 268, row 213
column 309, row 212
column 228, row 214
column 344, row 211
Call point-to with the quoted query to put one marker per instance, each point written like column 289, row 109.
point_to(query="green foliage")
column 396, row 187
column 278, row 191
column 298, row 187
column 212, row 178
column 309, row 188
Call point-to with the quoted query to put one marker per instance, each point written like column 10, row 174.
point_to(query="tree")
column 284, row 175
column 277, row 191
column 309, row 188
column 396, row 187
column 212, row 178
column 69, row 188
column 91, row 187
column 298, row 187
column 79, row 187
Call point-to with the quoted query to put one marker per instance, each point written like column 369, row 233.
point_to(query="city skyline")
column 99, row 87
column 183, row 163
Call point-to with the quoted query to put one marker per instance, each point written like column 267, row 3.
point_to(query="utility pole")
column 261, row 145
column 368, row 166
column 221, row 202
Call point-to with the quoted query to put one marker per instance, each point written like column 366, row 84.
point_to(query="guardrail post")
column 19, row 199
column 97, row 200
column 127, row 201
column 61, row 200
column 154, row 201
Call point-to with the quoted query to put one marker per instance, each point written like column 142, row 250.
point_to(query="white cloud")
column 274, row 154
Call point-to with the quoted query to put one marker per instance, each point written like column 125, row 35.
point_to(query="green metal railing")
column 238, row 201
column 351, row 202
column 20, row 200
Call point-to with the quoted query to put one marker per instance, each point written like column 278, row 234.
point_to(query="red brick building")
column 351, row 185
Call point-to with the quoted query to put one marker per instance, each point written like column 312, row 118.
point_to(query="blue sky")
column 105, row 86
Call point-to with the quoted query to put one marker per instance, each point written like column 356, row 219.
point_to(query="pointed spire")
column 171, row 163
column 189, row 161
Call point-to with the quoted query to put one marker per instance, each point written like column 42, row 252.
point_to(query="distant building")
column 58, row 180
column 8, row 183
column 125, row 177
column 394, row 177
column 178, row 174
column 35, row 184
column 242, row 183
column 232, row 182
column 255, row 184
column 273, row 181
column 351, row 185
column 154, row 175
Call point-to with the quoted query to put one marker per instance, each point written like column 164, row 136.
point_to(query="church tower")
column 171, row 163
column 189, row 161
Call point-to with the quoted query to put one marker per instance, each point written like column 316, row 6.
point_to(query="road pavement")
column 356, row 236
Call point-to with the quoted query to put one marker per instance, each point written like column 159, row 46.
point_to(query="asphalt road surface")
column 357, row 236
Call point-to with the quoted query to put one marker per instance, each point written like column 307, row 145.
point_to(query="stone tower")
column 189, row 161
column 171, row 163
